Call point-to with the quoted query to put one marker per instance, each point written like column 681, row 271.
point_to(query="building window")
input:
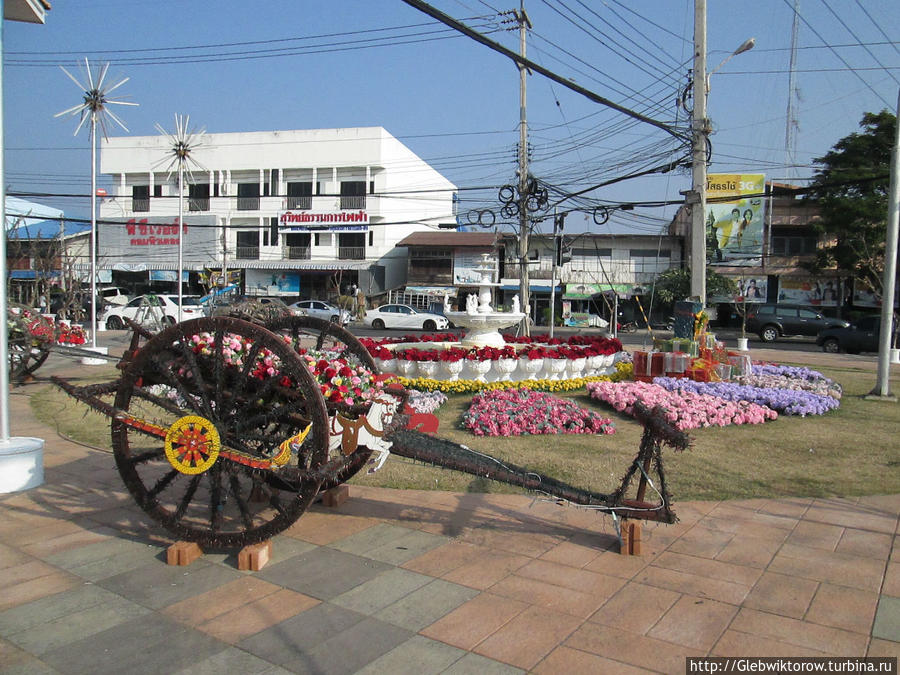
column 592, row 252
column 796, row 245
column 157, row 190
column 198, row 197
column 248, row 197
column 353, row 194
column 650, row 253
column 299, row 195
column 431, row 265
column 247, row 245
column 371, row 238
column 352, row 246
column 140, row 197
column 296, row 246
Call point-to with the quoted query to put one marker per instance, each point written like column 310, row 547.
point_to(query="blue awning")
column 24, row 275
column 532, row 288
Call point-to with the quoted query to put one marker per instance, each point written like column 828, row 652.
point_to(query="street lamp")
column 700, row 133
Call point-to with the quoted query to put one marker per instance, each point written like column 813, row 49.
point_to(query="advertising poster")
column 140, row 242
column 750, row 288
column 266, row 282
column 734, row 226
column 809, row 291
column 467, row 269
column 168, row 275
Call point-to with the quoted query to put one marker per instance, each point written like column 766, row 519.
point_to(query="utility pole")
column 699, row 133
column 524, row 24
column 882, row 387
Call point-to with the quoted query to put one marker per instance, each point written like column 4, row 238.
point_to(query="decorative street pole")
column 93, row 108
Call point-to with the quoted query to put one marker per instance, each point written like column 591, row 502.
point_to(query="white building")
column 299, row 213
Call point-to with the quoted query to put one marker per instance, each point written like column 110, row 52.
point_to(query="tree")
column 851, row 192
column 675, row 284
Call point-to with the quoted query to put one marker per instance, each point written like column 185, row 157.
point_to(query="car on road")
column 772, row 321
column 404, row 316
column 149, row 308
column 322, row 310
column 861, row 336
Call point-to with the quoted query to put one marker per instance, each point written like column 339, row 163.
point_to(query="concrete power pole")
column 699, row 133
column 524, row 25
column 882, row 386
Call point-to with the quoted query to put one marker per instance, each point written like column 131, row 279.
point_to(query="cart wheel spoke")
column 188, row 497
column 163, row 483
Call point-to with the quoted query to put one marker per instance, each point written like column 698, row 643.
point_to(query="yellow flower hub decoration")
column 192, row 444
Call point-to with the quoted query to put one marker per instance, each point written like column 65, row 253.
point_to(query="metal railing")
column 140, row 204
column 248, row 204
column 247, row 253
column 353, row 202
column 296, row 252
column 351, row 253
column 303, row 202
column 198, row 204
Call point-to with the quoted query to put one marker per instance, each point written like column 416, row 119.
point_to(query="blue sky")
column 238, row 66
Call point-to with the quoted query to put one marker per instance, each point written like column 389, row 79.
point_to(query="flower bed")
column 791, row 377
column 785, row 401
column 685, row 409
column 578, row 346
column 426, row 401
column 516, row 412
column 339, row 381
column 623, row 371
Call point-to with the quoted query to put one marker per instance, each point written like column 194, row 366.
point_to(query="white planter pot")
column 21, row 464
column 505, row 368
column 575, row 368
column 427, row 368
column 386, row 365
column 742, row 344
column 480, row 369
column 452, row 369
column 555, row 368
column 406, row 368
column 532, row 368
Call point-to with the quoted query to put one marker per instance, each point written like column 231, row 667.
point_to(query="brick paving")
column 436, row 582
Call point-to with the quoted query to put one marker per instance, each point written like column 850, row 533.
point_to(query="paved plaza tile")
column 434, row 582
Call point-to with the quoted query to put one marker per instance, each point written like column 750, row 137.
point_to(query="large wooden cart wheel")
column 224, row 434
column 317, row 336
column 30, row 336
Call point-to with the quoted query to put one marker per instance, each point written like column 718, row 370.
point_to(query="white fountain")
column 483, row 324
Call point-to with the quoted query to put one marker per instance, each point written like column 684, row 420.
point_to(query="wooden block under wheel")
column 255, row 557
column 183, row 553
column 336, row 496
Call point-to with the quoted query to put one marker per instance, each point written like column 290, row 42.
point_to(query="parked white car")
column 322, row 310
column 148, row 308
column 404, row 316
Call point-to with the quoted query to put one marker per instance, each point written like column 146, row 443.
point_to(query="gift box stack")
column 648, row 365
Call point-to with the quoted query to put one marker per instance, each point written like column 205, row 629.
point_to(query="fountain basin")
column 483, row 328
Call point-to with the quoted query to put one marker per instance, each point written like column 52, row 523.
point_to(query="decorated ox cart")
column 225, row 430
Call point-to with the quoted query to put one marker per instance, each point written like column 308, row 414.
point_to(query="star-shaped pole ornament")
column 94, row 109
column 182, row 144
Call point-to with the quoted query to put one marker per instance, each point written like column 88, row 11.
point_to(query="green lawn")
column 850, row 451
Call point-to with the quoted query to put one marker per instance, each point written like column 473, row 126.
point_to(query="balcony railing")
column 353, row 202
column 303, row 202
column 140, row 204
column 247, row 253
column 296, row 252
column 198, row 204
column 248, row 204
column 351, row 252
